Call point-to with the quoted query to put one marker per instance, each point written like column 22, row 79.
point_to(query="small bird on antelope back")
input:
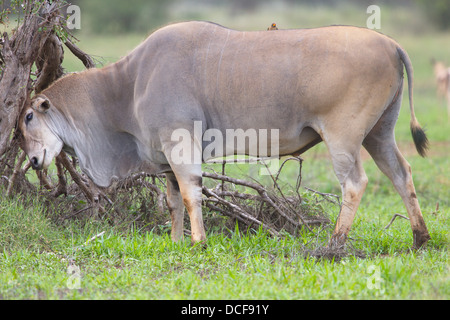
column 273, row 26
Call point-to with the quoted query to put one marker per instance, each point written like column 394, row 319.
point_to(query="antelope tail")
column 418, row 134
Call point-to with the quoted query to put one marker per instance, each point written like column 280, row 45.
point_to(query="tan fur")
column 441, row 76
column 340, row 85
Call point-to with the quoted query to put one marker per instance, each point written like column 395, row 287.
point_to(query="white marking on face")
column 40, row 143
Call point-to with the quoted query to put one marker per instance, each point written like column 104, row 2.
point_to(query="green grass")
column 143, row 265
column 136, row 264
column 34, row 262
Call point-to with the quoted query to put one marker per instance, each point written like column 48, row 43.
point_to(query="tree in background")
column 118, row 16
column 438, row 12
column 30, row 60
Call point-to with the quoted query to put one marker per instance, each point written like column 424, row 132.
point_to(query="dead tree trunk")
column 33, row 43
column 18, row 56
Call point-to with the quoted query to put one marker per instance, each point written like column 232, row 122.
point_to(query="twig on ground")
column 393, row 218
column 289, row 205
column 238, row 211
column 327, row 196
column 95, row 237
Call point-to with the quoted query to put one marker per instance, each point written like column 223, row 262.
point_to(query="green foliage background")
column 438, row 12
column 118, row 16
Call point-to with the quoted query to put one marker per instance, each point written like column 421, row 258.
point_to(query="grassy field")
column 36, row 256
column 36, row 253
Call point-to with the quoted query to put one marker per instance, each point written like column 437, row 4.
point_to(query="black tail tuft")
column 420, row 139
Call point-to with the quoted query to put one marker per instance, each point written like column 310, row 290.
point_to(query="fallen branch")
column 79, row 181
column 326, row 196
column 239, row 212
column 276, row 185
column 260, row 189
column 94, row 237
column 44, row 179
column 271, row 210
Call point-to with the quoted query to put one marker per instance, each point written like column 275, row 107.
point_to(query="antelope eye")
column 29, row 117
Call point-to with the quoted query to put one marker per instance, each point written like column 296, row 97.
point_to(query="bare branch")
column 327, row 196
column 393, row 219
column 16, row 172
column 19, row 54
column 84, row 57
column 79, row 181
column 239, row 212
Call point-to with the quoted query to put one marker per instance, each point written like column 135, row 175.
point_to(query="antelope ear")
column 40, row 104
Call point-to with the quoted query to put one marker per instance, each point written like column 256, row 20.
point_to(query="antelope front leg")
column 191, row 192
column 184, row 158
column 189, row 182
column 176, row 207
